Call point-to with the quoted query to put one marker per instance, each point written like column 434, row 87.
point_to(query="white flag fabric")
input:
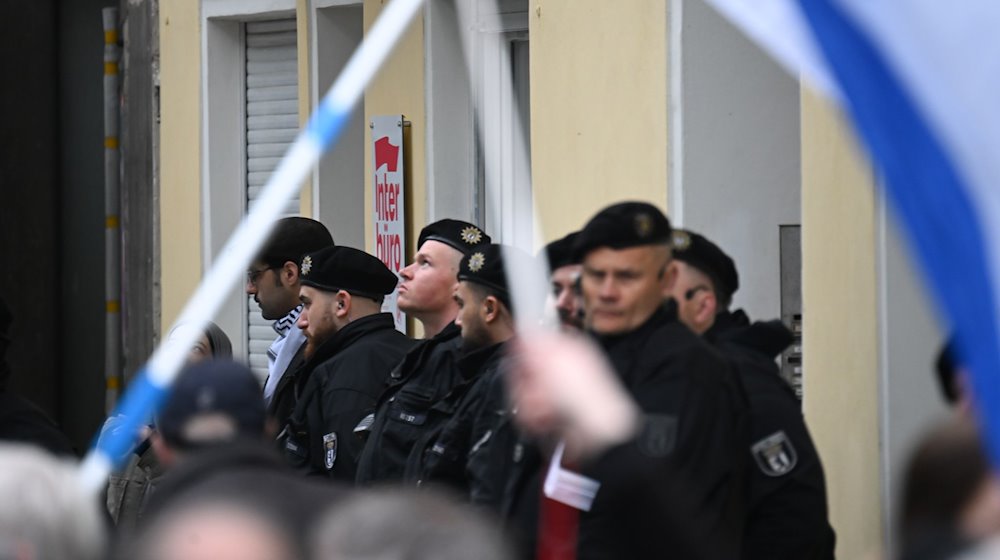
column 919, row 79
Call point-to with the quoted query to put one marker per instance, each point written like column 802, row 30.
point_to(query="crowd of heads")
column 607, row 279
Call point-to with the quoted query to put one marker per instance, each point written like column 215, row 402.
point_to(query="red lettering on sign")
column 386, row 200
column 389, row 250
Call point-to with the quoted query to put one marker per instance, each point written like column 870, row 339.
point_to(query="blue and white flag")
column 920, row 80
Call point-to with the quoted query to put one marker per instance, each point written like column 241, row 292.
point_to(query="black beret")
column 699, row 252
column 560, row 252
column 460, row 235
column 221, row 389
column 623, row 225
column 346, row 268
column 293, row 238
column 485, row 266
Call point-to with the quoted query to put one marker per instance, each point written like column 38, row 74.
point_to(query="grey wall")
column 81, row 203
column 910, row 340
column 452, row 169
column 341, row 174
column 741, row 155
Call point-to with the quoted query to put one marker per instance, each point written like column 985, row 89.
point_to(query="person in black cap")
column 455, row 452
column 429, row 372
column 429, row 281
column 212, row 435
column 565, row 278
column 786, row 493
column 273, row 281
column 693, row 407
column 350, row 347
column 212, row 403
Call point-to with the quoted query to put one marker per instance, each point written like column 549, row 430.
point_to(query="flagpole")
column 152, row 383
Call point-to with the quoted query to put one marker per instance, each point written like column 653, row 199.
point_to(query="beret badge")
column 681, row 240
column 476, row 262
column 472, row 235
column 643, row 225
column 307, row 264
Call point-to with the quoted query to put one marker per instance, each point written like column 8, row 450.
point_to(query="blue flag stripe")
column 928, row 194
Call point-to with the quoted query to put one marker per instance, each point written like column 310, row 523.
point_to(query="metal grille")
column 272, row 121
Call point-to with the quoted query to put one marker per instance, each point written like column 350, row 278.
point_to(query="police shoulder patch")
column 658, row 435
column 775, row 455
column 330, row 450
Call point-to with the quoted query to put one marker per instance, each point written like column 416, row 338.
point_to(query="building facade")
column 658, row 100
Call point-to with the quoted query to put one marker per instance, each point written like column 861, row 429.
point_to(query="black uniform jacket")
column 285, row 394
column 441, row 457
column 348, row 373
column 496, row 448
column 786, row 499
column 677, row 491
column 415, row 386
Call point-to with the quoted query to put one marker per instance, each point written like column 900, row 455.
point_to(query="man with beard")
column 429, row 371
column 692, row 410
column 455, row 453
column 786, row 492
column 350, row 347
column 273, row 281
column 565, row 279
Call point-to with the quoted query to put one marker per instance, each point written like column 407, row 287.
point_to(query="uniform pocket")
column 410, row 406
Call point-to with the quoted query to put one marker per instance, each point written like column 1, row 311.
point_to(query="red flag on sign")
column 386, row 154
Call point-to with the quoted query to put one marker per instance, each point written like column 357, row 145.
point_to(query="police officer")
column 564, row 276
column 350, row 348
column 455, row 453
column 786, row 498
column 429, row 372
column 685, row 390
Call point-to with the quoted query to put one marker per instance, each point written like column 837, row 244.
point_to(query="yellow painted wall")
column 840, row 324
column 399, row 89
column 599, row 78
column 180, row 155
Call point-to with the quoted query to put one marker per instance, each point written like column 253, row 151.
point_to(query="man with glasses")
column 273, row 281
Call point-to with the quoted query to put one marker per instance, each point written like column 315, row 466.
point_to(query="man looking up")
column 461, row 425
column 350, row 348
column 429, row 371
column 273, row 281
column 786, row 493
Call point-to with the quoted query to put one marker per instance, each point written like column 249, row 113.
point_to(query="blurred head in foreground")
column 393, row 524
column 46, row 514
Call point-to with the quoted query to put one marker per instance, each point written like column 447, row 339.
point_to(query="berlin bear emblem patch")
column 330, row 450
column 775, row 454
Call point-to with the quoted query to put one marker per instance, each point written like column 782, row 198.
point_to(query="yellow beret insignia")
column 643, row 225
column 472, row 235
column 681, row 240
column 476, row 262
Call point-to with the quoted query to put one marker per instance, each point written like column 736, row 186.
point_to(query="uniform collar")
column 473, row 361
column 767, row 337
column 665, row 313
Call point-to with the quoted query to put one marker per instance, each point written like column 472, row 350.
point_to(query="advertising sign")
column 389, row 192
